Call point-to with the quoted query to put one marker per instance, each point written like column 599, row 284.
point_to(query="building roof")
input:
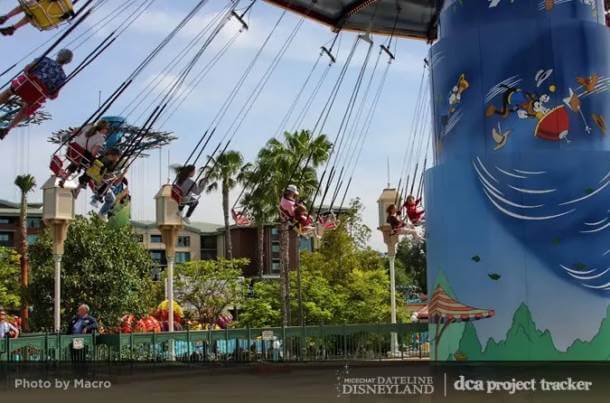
column 197, row 227
column 416, row 18
column 9, row 208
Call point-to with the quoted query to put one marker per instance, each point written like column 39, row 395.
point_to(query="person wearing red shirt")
column 415, row 212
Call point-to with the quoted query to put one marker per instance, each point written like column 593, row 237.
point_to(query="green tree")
column 10, row 287
column 262, row 308
column 103, row 266
column 292, row 159
column 261, row 206
column 210, row 286
column 25, row 183
column 412, row 256
column 341, row 283
column 224, row 173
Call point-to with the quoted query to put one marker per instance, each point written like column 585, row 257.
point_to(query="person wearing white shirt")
column 7, row 328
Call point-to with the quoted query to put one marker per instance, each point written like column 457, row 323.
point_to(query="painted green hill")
column 525, row 342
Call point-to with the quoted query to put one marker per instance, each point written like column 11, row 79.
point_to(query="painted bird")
column 494, row 276
column 589, row 83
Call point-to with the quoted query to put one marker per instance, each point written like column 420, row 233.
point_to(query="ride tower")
column 517, row 202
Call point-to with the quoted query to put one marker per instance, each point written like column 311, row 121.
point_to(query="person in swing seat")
column 51, row 18
column 41, row 80
column 415, row 212
column 86, row 147
column 108, row 164
column 289, row 202
column 190, row 190
column 399, row 227
column 302, row 218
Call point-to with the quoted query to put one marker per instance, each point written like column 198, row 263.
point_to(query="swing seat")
column 57, row 167
column 240, row 219
column 177, row 194
column 307, row 231
column 33, row 93
column 95, row 172
column 47, row 14
column 116, row 133
column 328, row 222
column 76, row 154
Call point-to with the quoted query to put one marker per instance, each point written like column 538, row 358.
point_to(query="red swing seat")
column 57, row 167
column 240, row 219
column 177, row 194
column 328, row 222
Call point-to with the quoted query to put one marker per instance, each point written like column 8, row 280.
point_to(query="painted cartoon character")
column 455, row 96
column 512, row 101
column 535, row 107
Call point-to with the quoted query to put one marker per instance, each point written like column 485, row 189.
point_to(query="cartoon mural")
column 529, row 160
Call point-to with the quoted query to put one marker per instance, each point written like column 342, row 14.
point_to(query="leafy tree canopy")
column 103, row 266
column 209, row 287
column 10, row 288
column 341, row 283
column 412, row 258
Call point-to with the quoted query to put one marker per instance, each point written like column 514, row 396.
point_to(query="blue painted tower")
column 518, row 202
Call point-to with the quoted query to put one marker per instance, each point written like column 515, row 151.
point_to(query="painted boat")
column 554, row 126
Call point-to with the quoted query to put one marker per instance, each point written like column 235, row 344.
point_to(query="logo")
column 348, row 385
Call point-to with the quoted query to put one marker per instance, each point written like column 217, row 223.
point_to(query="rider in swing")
column 190, row 190
column 41, row 80
column 294, row 210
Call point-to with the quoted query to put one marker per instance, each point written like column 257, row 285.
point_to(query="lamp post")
column 169, row 222
column 58, row 213
column 390, row 196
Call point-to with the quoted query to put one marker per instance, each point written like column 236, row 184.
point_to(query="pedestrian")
column 7, row 329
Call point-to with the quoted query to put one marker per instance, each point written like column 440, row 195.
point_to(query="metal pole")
column 57, row 294
column 299, row 289
column 394, row 336
column 170, row 298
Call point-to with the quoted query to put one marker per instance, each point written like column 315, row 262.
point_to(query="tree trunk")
column 285, row 271
column 23, row 260
column 225, row 209
column 260, row 229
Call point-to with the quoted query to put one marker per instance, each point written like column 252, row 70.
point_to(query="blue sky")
column 26, row 150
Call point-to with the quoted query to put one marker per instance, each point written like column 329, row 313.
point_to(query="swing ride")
column 499, row 162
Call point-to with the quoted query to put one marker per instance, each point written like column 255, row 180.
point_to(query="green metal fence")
column 48, row 347
column 309, row 343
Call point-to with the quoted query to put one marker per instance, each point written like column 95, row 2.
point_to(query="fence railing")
column 308, row 343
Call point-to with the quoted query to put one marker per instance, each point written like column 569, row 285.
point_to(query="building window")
column 6, row 239
column 275, row 233
column 5, row 220
column 34, row 222
column 183, row 257
column 158, row 256
column 306, row 245
column 156, row 239
column 32, row 239
column 184, row 242
column 275, row 247
column 209, row 247
column 275, row 267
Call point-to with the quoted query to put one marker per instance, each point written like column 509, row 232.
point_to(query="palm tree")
column 224, row 173
column 293, row 160
column 261, row 206
column 25, row 183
